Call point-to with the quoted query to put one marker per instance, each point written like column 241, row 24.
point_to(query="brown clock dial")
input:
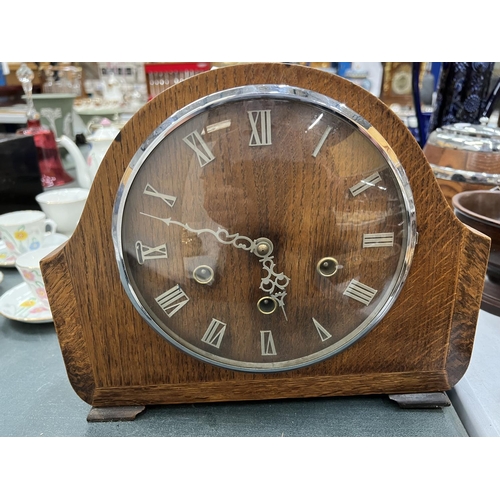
column 264, row 228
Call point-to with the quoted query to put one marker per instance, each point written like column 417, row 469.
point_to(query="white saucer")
column 53, row 239
column 20, row 304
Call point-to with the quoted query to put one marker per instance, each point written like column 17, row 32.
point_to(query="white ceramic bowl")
column 64, row 206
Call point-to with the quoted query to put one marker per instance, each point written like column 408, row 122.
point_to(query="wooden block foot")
column 114, row 413
column 421, row 400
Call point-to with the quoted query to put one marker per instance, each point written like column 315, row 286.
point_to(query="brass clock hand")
column 273, row 284
column 274, row 281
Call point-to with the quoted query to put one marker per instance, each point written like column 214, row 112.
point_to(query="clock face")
column 264, row 228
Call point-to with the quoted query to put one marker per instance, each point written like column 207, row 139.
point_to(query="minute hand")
column 222, row 235
column 269, row 283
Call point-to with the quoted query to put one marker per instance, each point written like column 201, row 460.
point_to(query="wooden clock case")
column 114, row 358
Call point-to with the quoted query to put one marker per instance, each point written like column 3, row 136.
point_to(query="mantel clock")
column 264, row 231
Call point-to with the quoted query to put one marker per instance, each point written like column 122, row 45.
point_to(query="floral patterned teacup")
column 24, row 231
column 28, row 264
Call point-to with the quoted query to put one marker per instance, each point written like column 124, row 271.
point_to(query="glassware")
column 68, row 81
column 133, row 98
column 48, row 86
column 49, row 162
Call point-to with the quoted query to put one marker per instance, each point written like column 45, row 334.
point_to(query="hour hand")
column 274, row 283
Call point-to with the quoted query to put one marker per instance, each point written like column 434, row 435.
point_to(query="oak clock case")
column 264, row 228
column 249, row 235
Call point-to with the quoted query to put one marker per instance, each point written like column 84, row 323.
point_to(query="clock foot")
column 421, row 400
column 114, row 413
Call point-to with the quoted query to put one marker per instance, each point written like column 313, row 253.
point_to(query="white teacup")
column 64, row 206
column 28, row 265
column 25, row 230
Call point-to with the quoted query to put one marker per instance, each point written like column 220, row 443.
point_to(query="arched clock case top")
column 252, row 234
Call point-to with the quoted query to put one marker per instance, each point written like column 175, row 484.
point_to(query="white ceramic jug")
column 99, row 141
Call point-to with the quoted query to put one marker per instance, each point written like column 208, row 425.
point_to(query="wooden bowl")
column 481, row 211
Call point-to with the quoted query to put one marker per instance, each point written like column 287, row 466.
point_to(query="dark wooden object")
column 114, row 413
column 424, row 343
column 429, row 400
column 481, row 211
column 20, row 179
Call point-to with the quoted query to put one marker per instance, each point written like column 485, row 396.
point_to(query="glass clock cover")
column 264, row 228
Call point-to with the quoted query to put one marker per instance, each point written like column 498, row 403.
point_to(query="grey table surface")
column 37, row 400
column 476, row 397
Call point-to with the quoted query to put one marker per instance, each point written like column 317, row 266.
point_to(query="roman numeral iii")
column 360, row 292
column 378, row 240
